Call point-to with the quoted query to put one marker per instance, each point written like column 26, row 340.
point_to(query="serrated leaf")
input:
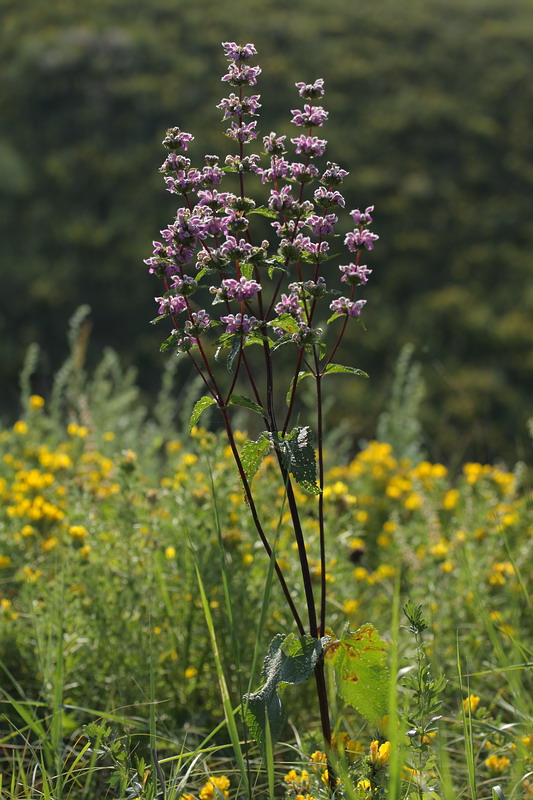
column 290, row 659
column 298, row 454
column 286, row 322
column 247, row 271
column 199, row 408
column 361, row 671
column 245, row 402
column 333, row 368
column 252, row 454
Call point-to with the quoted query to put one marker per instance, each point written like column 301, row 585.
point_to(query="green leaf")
column 253, row 453
column 285, row 322
column 234, row 352
column 298, row 454
column 247, row 271
column 199, row 408
column 263, row 211
column 361, row 671
column 299, row 377
column 290, row 659
column 332, row 368
column 245, row 402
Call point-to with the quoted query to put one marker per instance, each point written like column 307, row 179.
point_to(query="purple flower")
column 310, row 145
column 282, row 200
column 174, row 304
column 241, row 74
column 279, row 168
column 311, row 116
column 355, row 274
column 303, row 173
column 199, row 321
column 288, row 305
column 239, row 322
column 210, row 197
column 328, row 199
column 322, row 226
column 333, row 175
column 292, row 249
column 174, row 162
column 183, row 182
column 242, row 289
column 211, row 175
column 362, row 217
column 287, row 228
column 352, row 308
column 242, row 133
column 239, row 52
column 318, row 249
column 176, row 139
column 356, row 240
column 233, row 106
column 274, row 144
column 244, row 164
column 311, row 90
column 235, row 249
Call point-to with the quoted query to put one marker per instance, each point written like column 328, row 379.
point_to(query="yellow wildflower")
column 379, row 754
column 470, row 703
column 4, row 561
column 78, row 532
column 170, row 553
column 497, row 763
column 350, row 607
column 318, row 757
column 450, row 499
column 190, row 672
column 364, row 784
column 20, row 427
column 36, row 401
column 208, row 791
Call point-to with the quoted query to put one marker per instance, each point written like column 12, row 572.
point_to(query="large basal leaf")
column 298, row 454
column 252, row 454
column 199, row 408
column 361, row 669
column 290, row 659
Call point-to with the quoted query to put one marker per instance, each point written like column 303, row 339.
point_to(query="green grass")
column 136, row 607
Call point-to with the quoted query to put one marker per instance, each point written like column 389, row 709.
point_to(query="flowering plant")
column 270, row 295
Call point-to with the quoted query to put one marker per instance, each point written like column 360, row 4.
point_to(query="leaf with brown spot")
column 361, row 671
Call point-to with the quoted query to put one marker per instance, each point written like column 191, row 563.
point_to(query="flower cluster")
column 209, row 244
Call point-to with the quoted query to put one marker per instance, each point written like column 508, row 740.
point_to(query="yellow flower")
column 450, row 499
column 471, row 702
column 364, row 784
column 379, row 754
column 108, row 436
column 49, row 544
column 497, row 763
column 170, row 553
column 350, row 607
column 247, row 559
column 36, row 401
column 78, row 532
column 4, row 561
column 412, row 501
column 318, row 757
column 209, row 792
column 190, row 672
column 20, row 427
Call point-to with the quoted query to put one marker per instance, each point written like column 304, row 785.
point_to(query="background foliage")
column 429, row 105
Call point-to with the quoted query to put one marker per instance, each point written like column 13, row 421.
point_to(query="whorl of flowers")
column 207, row 254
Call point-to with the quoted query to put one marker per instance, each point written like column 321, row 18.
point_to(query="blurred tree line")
column 430, row 110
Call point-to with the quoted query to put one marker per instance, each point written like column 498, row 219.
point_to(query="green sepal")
column 245, row 402
column 290, row 659
column 199, row 408
column 362, row 675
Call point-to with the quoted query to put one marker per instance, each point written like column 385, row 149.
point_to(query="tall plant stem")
column 257, row 522
column 320, row 447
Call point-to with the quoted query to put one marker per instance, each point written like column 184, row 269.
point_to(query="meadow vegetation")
column 105, row 651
